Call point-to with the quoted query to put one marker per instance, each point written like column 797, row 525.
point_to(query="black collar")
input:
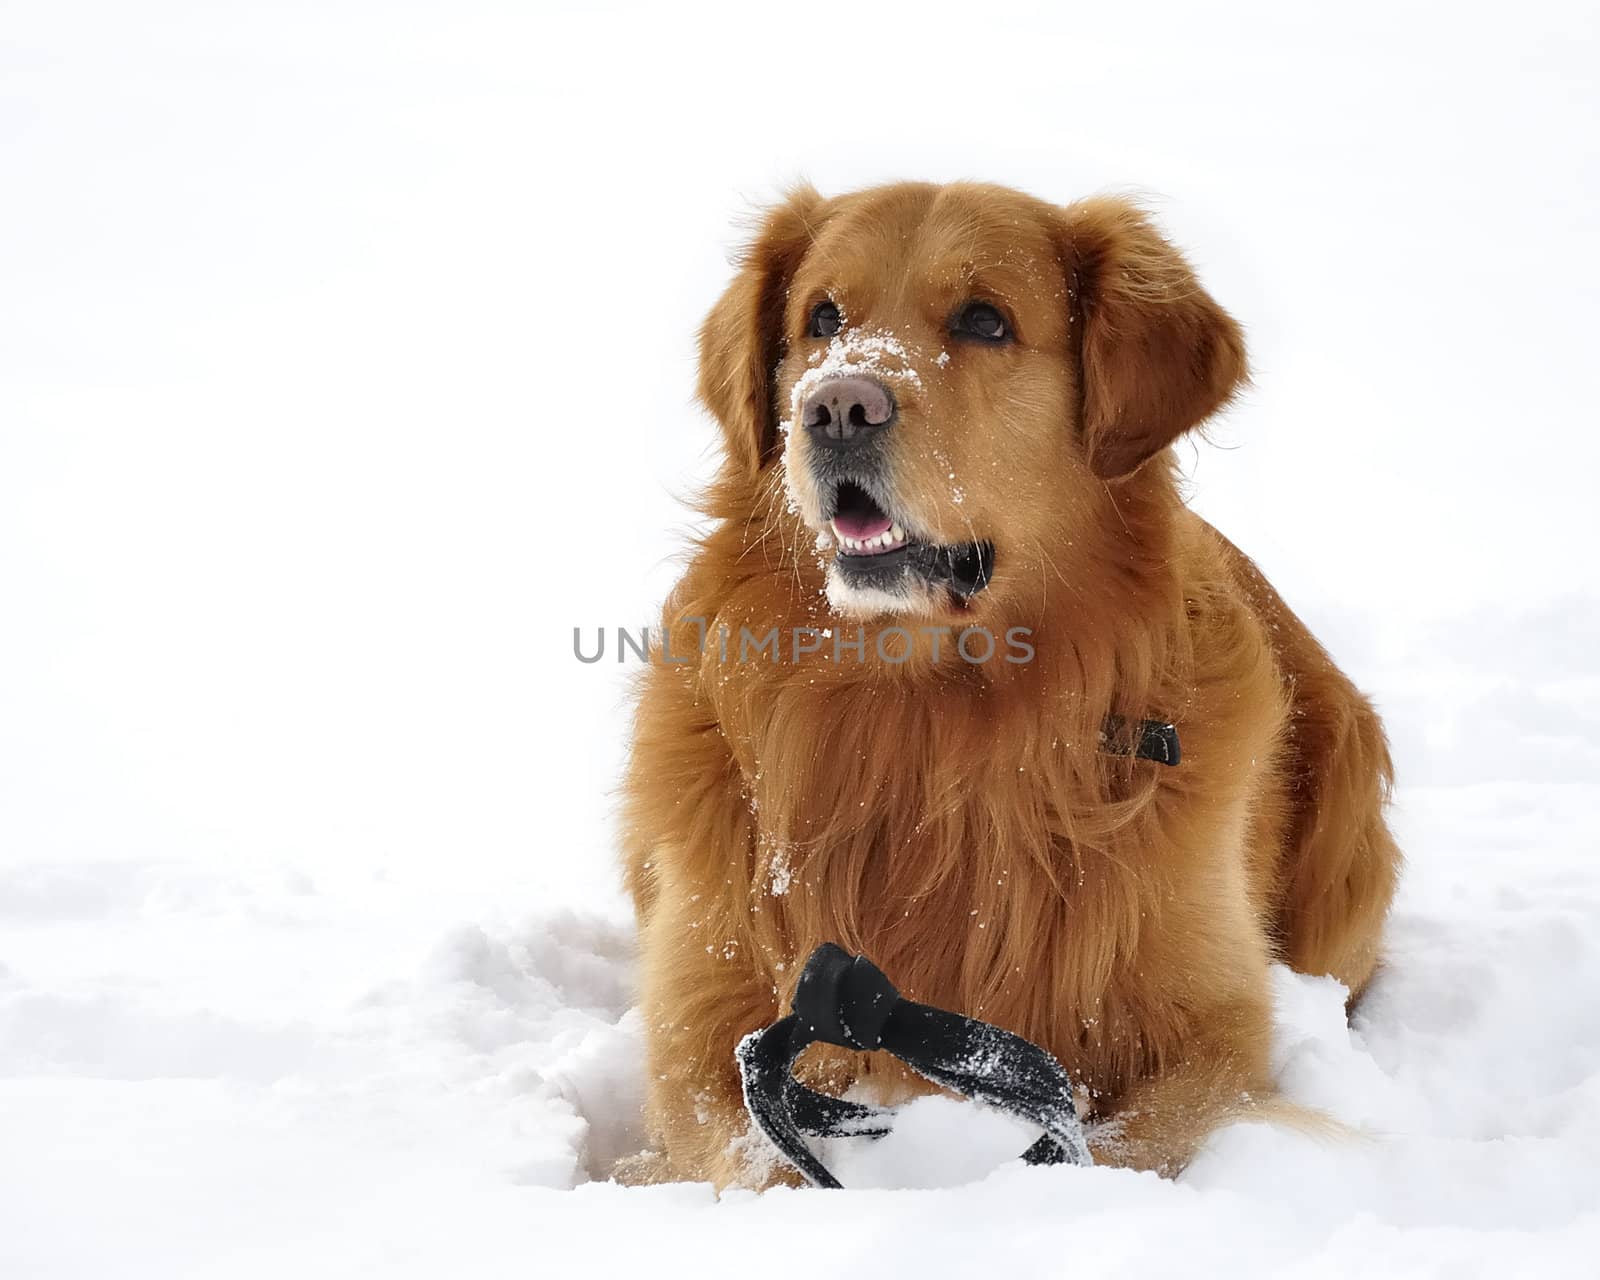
column 1154, row 740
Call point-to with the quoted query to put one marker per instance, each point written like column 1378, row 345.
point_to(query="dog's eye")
column 825, row 320
column 980, row 320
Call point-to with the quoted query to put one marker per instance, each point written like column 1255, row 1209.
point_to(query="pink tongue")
column 861, row 527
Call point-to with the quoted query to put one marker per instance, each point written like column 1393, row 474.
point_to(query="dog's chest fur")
column 950, row 834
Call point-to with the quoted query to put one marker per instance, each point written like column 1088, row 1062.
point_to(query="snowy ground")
column 239, row 1071
column 311, row 955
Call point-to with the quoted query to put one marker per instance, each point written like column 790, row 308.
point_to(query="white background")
column 346, row 366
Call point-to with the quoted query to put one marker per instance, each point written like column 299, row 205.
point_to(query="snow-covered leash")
column 846, row 1000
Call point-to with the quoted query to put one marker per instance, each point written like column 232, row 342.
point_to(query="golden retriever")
column 947, row 413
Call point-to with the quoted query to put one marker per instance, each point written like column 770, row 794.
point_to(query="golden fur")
column 957, row 822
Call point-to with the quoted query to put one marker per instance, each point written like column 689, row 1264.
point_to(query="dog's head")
column 956, row 381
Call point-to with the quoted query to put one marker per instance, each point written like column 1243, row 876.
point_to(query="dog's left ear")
column 1157, row 355
column 741, row 340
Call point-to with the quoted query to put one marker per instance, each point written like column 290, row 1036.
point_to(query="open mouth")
column 862, row 527
column 876, row 551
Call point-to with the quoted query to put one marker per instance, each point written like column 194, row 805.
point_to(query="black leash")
column 846, row 1000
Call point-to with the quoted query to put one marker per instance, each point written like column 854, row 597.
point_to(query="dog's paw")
column 642, row 1169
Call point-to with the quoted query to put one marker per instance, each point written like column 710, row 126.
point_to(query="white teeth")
column 893, row 536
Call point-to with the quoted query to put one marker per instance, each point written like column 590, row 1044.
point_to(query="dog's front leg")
column 701, row 994
column 1216, row 1074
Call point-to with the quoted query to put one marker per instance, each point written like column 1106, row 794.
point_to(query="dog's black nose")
column 845, row 411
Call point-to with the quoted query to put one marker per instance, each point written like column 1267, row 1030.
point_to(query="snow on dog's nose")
column 842, row 412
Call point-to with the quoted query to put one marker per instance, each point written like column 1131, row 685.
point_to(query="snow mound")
column 294, row 1103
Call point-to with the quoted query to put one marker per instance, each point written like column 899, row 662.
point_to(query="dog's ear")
column 1157, row 354
column 741, row 340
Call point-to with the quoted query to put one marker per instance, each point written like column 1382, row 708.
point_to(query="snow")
column 855, row 351
column 345, row 359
